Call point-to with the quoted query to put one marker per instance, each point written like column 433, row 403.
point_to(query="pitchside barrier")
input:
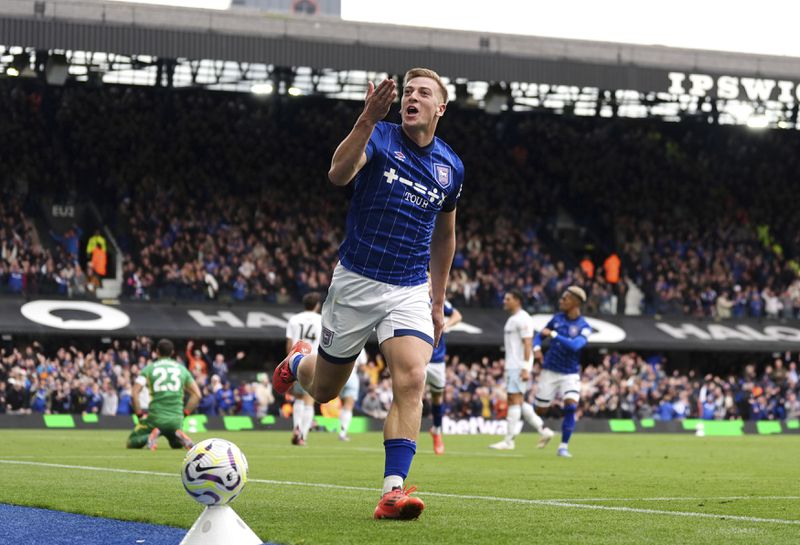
column 361, row 424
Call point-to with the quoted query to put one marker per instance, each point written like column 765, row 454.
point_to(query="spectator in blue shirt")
column 248, row 399
column 758, row 408
column 125, row 406
column 39, row 401
column 709, row 407
column 225, row 399
column 208, row 403
column 16, row 281
column 69, row 241
column 665, row 412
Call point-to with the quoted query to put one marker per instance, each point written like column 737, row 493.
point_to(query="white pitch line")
column 548, row 503
column 90, row 468
column 80, row 456
column 685, row 498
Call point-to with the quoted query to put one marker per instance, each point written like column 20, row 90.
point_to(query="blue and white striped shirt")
column 563, row 356
column 396, row 197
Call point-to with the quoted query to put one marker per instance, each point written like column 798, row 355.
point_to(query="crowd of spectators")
column 615, row 385
column 223, row 196
column 99, row 380
column 628, row 385
column 26, row 265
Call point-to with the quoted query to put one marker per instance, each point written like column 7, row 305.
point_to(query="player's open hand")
column 524, row 375
column 379, row 100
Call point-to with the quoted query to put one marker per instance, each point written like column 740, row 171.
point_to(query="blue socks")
column 294, row 363
column 568, row 425
column 399, row 453
column 438, row 413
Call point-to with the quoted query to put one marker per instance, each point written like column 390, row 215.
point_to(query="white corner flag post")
column 220, row 525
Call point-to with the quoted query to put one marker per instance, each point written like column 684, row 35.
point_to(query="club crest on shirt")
column 443, row 177
column 327, row 337
column 573, row 331
column 399, row 156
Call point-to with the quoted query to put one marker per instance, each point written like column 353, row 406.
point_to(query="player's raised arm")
column 443, row 248
column 351, row 155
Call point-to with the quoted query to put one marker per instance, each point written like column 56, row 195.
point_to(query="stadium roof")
column 247, row 35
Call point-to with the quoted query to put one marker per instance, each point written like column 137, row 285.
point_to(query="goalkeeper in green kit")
column 167, row 380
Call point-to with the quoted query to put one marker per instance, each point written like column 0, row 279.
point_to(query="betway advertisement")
column 480, row 326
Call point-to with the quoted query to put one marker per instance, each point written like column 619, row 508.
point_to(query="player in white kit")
column 349, row 396
column 518, row 341
column 306, row 326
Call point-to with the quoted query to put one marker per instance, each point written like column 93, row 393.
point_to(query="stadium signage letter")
column 733, row 87
column 63, row 211
column 254, row 320
column 107, row 318
column 474, row 426
column 719, row 332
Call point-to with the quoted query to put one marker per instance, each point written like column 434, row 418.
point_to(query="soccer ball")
column 214, row 472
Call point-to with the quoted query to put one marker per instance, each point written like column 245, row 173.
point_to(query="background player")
column 517, row 339
column 435, row 377
column 166, row 380
column 569, row 332
column 304, row 326
column 401, row 220
column 349, row 395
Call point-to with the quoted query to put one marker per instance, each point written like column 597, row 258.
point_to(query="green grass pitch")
column 637, row 489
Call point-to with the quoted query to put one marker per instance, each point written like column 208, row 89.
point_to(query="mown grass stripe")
column 544, row 502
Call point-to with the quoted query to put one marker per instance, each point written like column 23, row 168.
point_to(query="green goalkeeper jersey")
column 166, row 380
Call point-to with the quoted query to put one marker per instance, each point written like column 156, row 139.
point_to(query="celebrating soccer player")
column 569, row 332
column 406, row 183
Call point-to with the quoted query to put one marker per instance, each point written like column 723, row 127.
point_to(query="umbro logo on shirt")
column 399, row 156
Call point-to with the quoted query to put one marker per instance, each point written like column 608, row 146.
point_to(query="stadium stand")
column 223, row 196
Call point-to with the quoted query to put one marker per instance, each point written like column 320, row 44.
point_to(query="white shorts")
column 435, row 373
column 350, row 388
column 356, row 305
column 514, row 384
column 568, row 386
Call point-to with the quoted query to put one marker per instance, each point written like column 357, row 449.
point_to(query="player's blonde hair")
column 426, row 73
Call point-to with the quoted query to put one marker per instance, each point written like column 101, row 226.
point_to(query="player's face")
column 509, row 302
column 567, row 302
column 422, row 103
